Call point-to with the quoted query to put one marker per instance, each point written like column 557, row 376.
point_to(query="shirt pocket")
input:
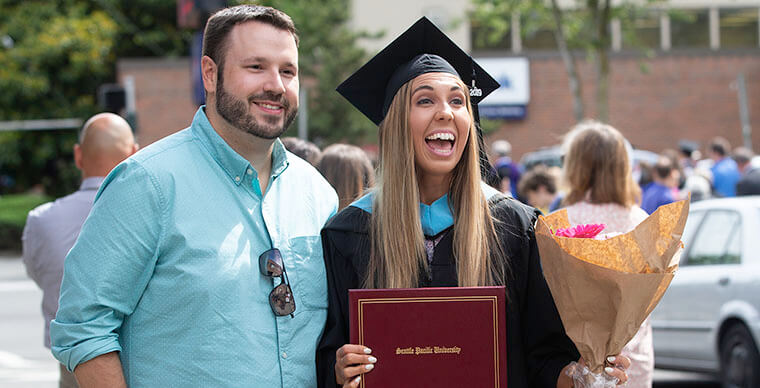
column 307, row 275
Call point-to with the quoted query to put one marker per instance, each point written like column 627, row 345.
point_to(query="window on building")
column 539, row 39
column 689, row 28
column 641, row 30
column 538, row 32
column 489, row 38
column 738, row 27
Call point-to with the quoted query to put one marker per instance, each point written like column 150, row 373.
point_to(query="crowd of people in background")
column 671, row 176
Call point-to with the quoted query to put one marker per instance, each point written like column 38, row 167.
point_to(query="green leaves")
column 55, row 57
column 55, row 54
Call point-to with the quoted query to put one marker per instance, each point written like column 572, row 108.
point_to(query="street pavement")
column 26, row 363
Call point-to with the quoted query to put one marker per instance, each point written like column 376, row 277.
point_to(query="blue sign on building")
column 511, row 99
column 507, row 112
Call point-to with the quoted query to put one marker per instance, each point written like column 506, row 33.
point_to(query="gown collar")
column 436, row 217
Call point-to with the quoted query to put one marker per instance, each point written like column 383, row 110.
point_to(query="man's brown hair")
column 221, row 23
column 720, row 146
column 535, row 178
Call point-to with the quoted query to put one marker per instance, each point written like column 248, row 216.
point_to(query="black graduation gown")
column 537, row 346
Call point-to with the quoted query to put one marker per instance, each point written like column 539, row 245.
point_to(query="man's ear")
column 208, row 73
column 78, row 156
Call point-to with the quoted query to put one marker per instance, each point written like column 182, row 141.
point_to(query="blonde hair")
column 397, row 252
column 597, row 164
column 349, row 171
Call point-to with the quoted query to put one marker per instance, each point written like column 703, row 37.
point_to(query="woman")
column 601, row 188
column 430, row 221
column 349, row 171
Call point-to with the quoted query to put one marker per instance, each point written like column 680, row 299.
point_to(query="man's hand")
column 102, row 371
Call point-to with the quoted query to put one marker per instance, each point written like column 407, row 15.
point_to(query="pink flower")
column 581, row 231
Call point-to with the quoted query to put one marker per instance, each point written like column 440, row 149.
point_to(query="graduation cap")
column 423, row 48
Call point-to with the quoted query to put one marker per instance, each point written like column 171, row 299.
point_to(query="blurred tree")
column 55, row 53
column 328, row 54
column 147, row 28
column 581, row 25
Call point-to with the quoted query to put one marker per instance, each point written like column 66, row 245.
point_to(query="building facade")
column 675, row 79
column 674, row 68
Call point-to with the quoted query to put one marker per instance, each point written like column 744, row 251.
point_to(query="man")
column 660, row 192
column 749, row 182
column 51, row 229
column 724, row 170
column 177, row 278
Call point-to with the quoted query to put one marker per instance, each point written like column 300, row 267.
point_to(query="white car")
column 709, row 319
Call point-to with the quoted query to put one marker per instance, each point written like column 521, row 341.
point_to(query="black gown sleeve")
column 536, row 337
column 341, row 249
column 549, row 348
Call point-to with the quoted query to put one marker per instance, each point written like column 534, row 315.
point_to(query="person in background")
column 509, row 172
column 675, row 161
column 698, row 185
column 646, row 172
column 724, row 170
column 660, row 192
column 52, row 228
column 538, row 188
column 349, row 171
column 688, row 155
column 201, row 264
column 749, row 182
column 304, row 149
column 601, row 190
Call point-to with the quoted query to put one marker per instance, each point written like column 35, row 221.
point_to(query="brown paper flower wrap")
column 604, row 289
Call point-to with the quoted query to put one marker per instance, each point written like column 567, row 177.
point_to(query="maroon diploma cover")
column 432, row 337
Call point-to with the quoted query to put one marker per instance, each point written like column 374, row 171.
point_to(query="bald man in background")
column 52, row 228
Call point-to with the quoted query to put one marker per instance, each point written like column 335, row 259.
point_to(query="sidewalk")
column 24, row 361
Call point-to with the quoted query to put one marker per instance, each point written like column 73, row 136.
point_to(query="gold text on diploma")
column 429, row 350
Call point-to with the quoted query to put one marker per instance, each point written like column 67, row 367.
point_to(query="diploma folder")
column 432, row 337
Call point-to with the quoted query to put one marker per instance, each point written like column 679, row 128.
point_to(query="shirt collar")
column 231, row 162
column 436, row 217
column 92, row 183
column 279, row 158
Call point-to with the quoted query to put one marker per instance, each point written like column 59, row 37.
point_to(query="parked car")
column 709, row 318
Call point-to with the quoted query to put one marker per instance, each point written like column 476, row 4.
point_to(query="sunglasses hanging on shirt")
column 281, row 298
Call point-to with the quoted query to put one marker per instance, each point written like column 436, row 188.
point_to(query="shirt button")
column 237, row 179
column 284, row 355
column 249, row 171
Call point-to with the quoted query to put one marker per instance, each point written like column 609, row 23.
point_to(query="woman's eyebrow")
column 426, row 87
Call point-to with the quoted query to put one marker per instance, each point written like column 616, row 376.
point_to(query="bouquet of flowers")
column 604, row 288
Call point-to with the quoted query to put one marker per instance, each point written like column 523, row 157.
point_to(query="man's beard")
column 236, row 112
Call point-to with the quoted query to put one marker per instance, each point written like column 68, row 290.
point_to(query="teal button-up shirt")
column 166, row 270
